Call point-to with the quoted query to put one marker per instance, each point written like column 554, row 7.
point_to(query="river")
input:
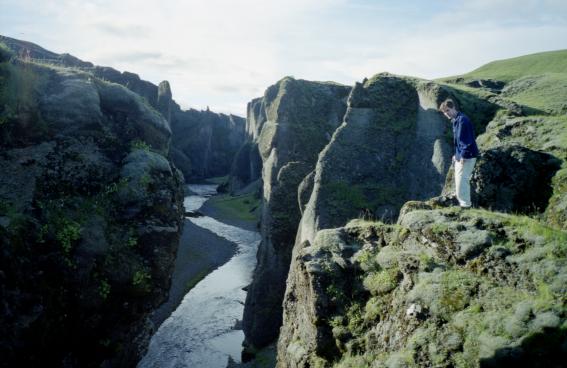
column 200, row 332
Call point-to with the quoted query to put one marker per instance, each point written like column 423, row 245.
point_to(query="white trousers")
column 463, row 172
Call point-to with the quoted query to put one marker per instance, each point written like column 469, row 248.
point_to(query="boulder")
column 514, row 179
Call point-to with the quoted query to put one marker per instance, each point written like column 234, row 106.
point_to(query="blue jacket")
column 463, row 137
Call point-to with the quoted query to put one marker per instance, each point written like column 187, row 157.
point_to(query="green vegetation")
column 515, row 68
column 545, row 92
column 264, row 358
column 142, row 280
column 382, row 282
column 469, row 310
column 245, row 207
column 5, row 53
column 68, row 232
column 360, row 199
column 138, row 144
column 104, row 289
column 19, row 85
column 218, row 180
column 190, row 284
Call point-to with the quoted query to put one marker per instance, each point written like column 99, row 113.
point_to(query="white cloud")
column 223, row 53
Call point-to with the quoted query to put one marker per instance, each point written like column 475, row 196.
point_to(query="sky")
column 223, row 53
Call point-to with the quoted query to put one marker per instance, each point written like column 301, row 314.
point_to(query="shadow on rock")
column 545, row 349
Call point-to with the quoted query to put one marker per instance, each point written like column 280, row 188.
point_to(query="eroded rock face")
column 441, row 288
column 90, row 217
column 209, row 140
column 390, row 148
column 292, row 122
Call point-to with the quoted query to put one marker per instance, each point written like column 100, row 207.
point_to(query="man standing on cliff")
column 466, row 151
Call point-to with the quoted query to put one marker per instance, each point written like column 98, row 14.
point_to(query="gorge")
column 362, row 260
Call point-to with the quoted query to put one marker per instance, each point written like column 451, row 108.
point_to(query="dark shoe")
column 444, row 201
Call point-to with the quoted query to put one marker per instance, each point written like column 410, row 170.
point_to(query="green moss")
column 138, row 144
column 335, row 293
column 357, row 361
column 439, row 228
column 142, row 280
column 347, row 195
column 445, row 293
column 544, row 92
column 456, row 289
column 376, row 308
column 67, row 233
column 366, row 258
column 104, row 289
column 382, row 282
column 355, row 319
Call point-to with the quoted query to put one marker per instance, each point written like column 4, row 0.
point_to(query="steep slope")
column 90, row 217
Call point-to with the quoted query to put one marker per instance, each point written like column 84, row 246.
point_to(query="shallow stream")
column 200, row 333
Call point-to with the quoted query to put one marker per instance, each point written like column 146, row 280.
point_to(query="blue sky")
column 222, row 53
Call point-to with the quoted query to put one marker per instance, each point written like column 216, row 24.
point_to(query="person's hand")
column 453, row 158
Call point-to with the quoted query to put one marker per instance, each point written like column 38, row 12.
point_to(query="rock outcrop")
column 90, row 215
column 247, row 165
column 442, row 287
column 514, row 179
column 291, row 123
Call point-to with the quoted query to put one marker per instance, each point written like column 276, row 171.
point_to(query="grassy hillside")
column 518, row 67
column 537, row 81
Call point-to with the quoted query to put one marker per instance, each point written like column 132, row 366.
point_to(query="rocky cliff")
column 204, row 143
column 442, row 287
column 90, row 216
column 292, row 123
column 391, row 148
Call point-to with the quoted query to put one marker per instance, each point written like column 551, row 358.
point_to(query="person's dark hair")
column 447, row 104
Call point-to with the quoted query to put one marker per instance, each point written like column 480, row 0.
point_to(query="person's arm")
column 465, row 139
